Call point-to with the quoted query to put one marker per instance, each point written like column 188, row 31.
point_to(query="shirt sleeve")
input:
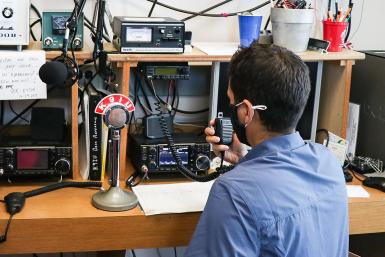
column 226, row 227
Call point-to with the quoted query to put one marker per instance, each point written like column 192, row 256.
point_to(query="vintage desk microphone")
column 115, row 108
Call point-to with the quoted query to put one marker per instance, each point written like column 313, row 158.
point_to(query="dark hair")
column 272, row 76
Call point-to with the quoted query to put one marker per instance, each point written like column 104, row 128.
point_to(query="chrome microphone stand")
column 115, row 198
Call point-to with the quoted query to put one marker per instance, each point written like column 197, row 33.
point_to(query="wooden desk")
column 367, row 215
column 65, row 221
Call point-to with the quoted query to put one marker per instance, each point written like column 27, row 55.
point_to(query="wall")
column 223, row 29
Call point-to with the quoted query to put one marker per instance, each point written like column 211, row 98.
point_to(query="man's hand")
column 233, row 153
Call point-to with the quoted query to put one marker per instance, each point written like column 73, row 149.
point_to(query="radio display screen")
column 166, row 71
column 166, row 158
column 32, row 159
column 138, row 35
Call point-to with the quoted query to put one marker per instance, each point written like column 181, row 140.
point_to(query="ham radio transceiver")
column 148, row 35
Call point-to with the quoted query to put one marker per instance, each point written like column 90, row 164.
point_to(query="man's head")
column 273, row 76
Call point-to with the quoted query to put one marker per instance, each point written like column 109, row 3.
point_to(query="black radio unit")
column 148, row 35
column 166, row 70
column 154, row 155
column 31, row 161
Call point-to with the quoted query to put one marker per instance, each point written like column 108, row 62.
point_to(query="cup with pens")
column 334, row 27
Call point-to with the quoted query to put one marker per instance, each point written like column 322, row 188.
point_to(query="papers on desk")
column 173, row 198
column 356, row 191
column 217, row 48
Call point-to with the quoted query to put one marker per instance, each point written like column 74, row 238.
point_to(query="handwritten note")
column 19, row 75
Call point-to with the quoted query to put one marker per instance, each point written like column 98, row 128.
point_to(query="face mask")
column 239, row 128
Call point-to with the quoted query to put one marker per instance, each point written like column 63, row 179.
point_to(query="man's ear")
column 249, row 112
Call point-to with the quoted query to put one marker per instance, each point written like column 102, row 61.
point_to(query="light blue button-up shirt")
column 285, row 198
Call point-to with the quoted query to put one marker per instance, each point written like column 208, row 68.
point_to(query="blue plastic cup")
column 249, row 27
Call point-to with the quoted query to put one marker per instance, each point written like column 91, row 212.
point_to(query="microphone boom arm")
column 71, row 24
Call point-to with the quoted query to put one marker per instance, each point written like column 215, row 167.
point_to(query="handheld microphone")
column 55, row 73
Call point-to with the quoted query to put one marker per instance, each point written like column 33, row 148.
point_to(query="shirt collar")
column 275, row 144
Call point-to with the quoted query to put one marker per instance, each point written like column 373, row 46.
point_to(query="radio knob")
column 202, row 162
column 9, row 153
column 77, row 42
column 63, row 166
column 7, row 12
column 152, row 165
column 152, row 150
column 48, row 41
column 10, row 167
column 161, row 31
column 177, row 30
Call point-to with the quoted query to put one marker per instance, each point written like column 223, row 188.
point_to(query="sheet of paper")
column 19, row 75
column 356, row 191
column 217, row 48
column 173, row 198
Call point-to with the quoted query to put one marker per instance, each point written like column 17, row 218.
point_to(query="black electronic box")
column 26, row 161
column 24, row 155
column 166, row 70
column 154, row 155
column 148, row 35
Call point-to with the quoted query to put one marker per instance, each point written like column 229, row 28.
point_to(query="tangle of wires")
column 155, row 2
column 171, row 107
column 39, row 20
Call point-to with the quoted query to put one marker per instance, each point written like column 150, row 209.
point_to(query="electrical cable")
column 37, row 12
column 34, row 8
column 205, row 10
column 170, row 107
column 177, row 97
column 359, row 23
column 191, row 112
column 145, row 94
column 133, row 253
column 3, row 237
column 60, row 185
column 355, row 175
column 31, row 31
column 9, row 123
column 267, row 23
column 186, row 172
column 14, row 112
column 106, row 31
column 1, row 113
column 170, row 141
column 175, row 254
column 206, row 14
column 43, row 190
column 349, row 23
column 89, row 26
column 152, row 8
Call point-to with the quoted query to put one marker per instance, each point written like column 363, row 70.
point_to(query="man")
column 285, row 197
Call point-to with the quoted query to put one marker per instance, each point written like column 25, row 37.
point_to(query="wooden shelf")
column 82, row 55
column 199, row 56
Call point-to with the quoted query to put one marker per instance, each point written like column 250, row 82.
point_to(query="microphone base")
column 114, row 199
